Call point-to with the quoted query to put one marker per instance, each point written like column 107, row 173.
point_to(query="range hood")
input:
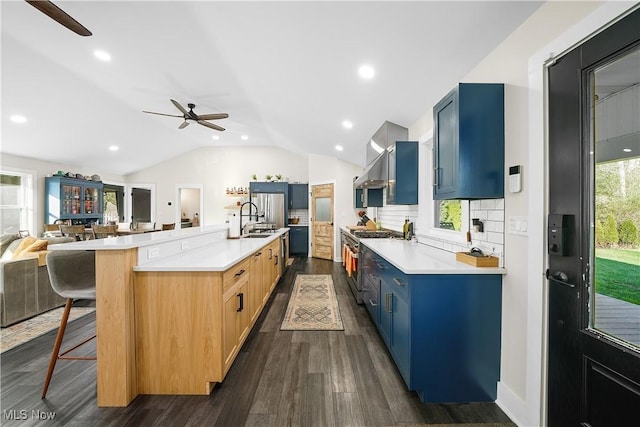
column 376, row 173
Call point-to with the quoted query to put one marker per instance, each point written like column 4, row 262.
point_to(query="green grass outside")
column 618, row 274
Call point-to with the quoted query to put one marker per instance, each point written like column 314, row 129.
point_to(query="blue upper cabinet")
column 298, row 196
column 468, row 143
column 367, row 198
column 269, row 187
column 402, row 187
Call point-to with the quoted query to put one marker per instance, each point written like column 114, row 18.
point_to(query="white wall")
column 217, row 168
column 42, row 169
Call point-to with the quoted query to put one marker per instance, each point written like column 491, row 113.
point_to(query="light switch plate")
column 518, row 225
column 184, row 245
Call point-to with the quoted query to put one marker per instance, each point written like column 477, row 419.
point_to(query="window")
column 17, row 205
column 448, row 214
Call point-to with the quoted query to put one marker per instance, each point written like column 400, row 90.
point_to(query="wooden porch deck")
column 618, row 318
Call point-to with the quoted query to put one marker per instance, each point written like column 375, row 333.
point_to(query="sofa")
column 25, row 289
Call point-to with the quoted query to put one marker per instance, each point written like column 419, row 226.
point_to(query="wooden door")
column 322, row 221
column 593, row 344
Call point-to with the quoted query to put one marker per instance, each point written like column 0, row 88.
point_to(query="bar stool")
column 73, row 276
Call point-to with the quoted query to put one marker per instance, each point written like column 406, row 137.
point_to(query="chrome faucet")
column 251, row 204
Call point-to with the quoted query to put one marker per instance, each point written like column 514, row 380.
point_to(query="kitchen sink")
column 256, row 236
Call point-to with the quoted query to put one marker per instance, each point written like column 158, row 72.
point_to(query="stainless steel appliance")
column 351, row 240
column 271, row 208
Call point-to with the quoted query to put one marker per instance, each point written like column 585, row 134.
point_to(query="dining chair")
column 76, row 231
column 73, row 276
column 144, row 226
column 52, row 227
column 171, row 226
column 102, row 231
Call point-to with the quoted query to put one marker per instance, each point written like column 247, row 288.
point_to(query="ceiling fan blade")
column 210, row 125
column 59, row 15
column 214, row 116
column 183, row 125
column 161, row 114
column 179, row 107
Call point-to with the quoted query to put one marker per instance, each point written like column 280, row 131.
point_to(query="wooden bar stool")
column 102, row 231
column 73, row 276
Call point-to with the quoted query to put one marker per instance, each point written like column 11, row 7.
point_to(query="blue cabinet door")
column 469, row 143
column 367, row 198
column 298, row 196
column 299, row 240
column 403, row 166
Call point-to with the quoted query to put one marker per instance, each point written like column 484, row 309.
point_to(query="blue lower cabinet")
column 299, row 240
column 443, row 331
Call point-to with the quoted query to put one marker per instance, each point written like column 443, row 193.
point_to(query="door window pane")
column 323, row 209
column 615, row 242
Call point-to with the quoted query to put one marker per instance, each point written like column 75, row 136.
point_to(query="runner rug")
column 313, row 305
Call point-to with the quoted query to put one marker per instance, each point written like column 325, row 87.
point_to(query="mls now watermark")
column 23, row 414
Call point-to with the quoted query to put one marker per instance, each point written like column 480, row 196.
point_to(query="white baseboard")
column 514, row 407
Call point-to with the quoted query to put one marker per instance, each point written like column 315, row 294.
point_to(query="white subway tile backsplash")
column 495, row 237
column 475, row 205
column 500, row 204
column 495, row 215
column 488, row 204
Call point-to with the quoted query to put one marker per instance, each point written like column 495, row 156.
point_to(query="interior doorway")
column 113, row 200
column 189, row 205
column 322, row 229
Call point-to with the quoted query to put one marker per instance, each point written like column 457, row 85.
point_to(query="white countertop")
column 217, row 256
column 415, row 258
column 139, row 240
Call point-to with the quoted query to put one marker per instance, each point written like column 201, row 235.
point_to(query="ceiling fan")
column 59, row 15
column 190, row 115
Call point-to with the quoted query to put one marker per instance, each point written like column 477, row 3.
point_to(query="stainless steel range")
column 350, row 243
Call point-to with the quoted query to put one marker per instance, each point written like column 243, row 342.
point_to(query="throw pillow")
column 38, row 245
column 24, row 244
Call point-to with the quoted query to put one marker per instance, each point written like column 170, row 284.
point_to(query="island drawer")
column 235, row 274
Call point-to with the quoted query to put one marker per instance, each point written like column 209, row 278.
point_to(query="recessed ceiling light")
column 102, row 55
column 366, row 72
column 245, row 137
column 215, row 137
column 627, row 150
column 347, row 124
column 339, row 148
column 17, row 118
column 113, row 148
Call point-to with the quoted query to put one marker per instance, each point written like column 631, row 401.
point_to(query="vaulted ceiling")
column 286, row 72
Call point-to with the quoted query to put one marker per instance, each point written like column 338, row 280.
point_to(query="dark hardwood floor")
column 280, row 378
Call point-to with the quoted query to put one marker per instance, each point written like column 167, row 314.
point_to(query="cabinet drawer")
column 235, row 274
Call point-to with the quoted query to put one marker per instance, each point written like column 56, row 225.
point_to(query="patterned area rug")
column 313, row 305
column 14, row 335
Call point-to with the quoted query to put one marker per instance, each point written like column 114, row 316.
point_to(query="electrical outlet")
column 153, row 253
column 184, row 245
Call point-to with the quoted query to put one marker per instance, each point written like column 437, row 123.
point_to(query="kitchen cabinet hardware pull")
column 435, row 177
column 240, row 273
column 270, row 253
column 399, row 282
column 241, row 302
column 388, row 302
column 258, row 254
column 372, row 303
column 276, row 260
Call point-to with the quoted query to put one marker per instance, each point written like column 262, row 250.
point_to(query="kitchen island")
column 440, row 319
column 174, row 307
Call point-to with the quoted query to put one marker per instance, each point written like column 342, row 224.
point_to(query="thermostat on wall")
column 514, row 179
